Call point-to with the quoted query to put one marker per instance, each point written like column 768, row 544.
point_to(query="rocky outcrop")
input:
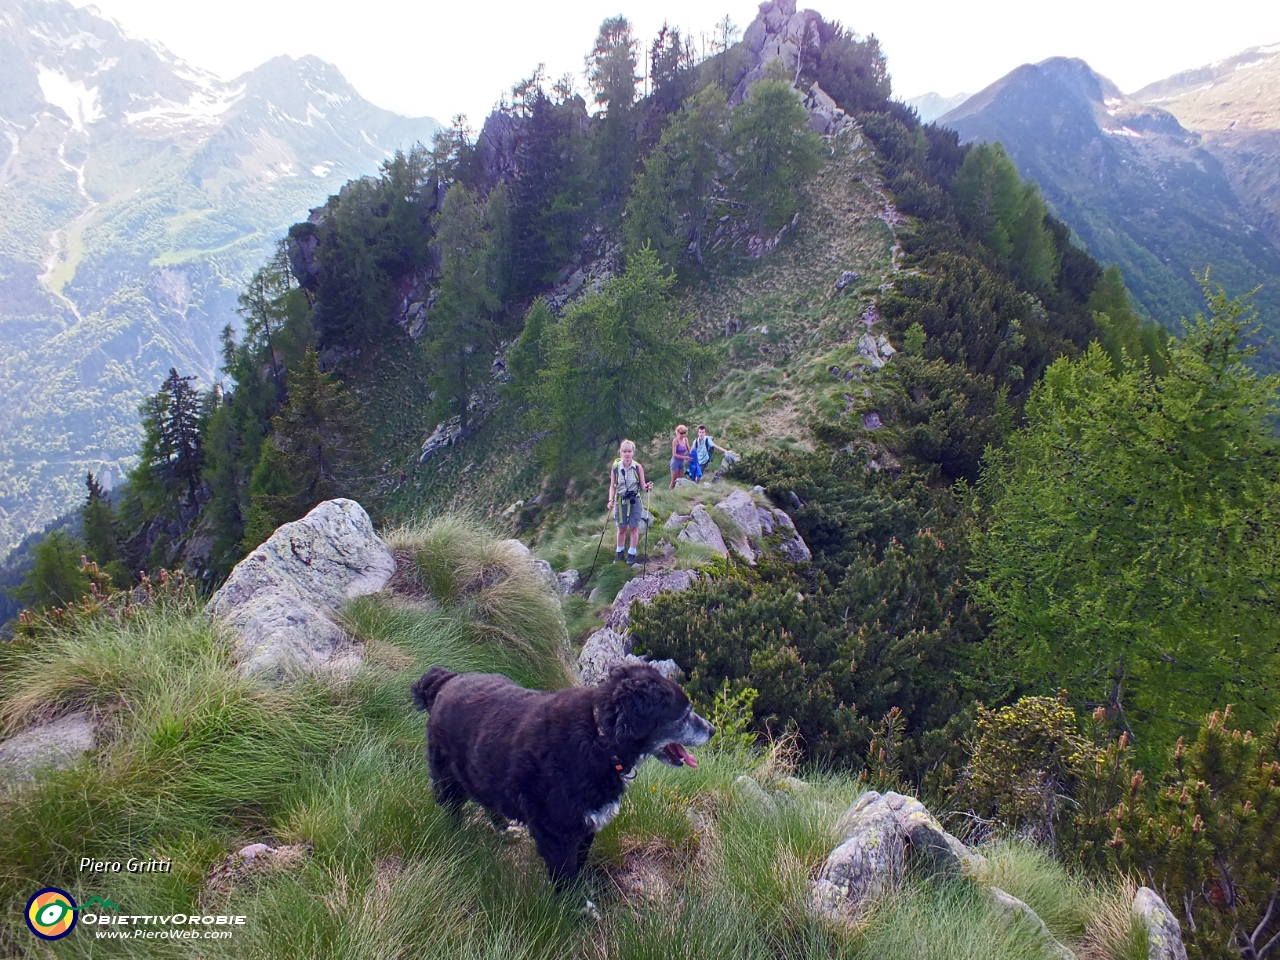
column 777, row 33
column 280, row 601
column 445, row 435
column 55, row 745
column 608, row 648
column 1164, row 935
column 749, row 525
column 702, row 529
column 644, row 589
column 880, row 835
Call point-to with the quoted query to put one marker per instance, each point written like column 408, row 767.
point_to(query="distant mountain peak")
column 138, row 194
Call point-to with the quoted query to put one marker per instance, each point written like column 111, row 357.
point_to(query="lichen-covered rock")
column 867, row 864
column 55, row 745
column 1164, row 935
column 1019, row 912
column 603, row 650
column 280, row 601
column 644, row 589
column 702, row 529
column 943, row 852
column 606, row 649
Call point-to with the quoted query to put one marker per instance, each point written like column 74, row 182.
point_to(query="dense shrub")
column 829, row 659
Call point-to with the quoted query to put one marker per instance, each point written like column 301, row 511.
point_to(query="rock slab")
column 53, row 745
column 877, row 834
column 702, row 529
column 644, row 589
column 281, row 599
column 606, row 649
column 1164, row 935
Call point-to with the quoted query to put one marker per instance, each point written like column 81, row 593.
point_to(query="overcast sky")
column 429, row 58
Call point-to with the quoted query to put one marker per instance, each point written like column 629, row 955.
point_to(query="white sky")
column 430, row 58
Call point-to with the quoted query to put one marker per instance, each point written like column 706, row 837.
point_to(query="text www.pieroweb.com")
column 174, row 927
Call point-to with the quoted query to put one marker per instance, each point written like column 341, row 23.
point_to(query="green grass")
column 198, row 762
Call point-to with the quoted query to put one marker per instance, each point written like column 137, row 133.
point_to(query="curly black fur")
column 552, row 761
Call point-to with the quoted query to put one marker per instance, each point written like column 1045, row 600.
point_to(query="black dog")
column 557, row 762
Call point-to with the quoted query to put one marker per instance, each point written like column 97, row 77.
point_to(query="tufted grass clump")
column 488, row 590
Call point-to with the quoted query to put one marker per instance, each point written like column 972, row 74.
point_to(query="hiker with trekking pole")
column 626, row 482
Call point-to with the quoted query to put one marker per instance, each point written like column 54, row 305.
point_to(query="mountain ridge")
column 1134, row 184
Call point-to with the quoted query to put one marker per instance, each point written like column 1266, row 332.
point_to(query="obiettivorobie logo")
column 51, row 913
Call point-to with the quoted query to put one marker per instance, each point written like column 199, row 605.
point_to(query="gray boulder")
column 1164, row 935
column 569, row 582
column 702, row 529
column 603, row 650
column 280, row 601
column 644, row 589
column 548, row 575
column 54, row 745
column 867, row 864
column 1020, row 913
column 939, row 849
column 793, row 547
column 606, row 649
column 676, row 521
column 741, row 509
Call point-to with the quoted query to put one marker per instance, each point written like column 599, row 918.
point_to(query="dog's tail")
column 428, row 686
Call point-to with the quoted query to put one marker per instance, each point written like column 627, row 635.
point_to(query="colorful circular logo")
column 51, row 914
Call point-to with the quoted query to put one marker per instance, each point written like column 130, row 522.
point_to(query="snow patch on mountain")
column 81, row 104
column 205, row 107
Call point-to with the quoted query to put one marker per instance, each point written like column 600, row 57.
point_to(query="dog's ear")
column 639, row 700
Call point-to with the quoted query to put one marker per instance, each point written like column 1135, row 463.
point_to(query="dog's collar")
column 613, row 757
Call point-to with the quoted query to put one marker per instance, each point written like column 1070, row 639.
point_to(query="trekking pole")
column 644, row 566
column 597, row 556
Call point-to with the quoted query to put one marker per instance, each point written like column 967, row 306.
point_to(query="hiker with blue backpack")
column 626, row 482
column 700, row 456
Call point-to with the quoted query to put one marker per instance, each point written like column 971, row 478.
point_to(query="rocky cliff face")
column 137, row 196
column 1138, row 187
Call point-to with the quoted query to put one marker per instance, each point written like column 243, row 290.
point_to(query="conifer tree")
column 56, row 578
column 611, row 71
column 774, row 150
column 461, row 333
column 101, row 532
column 1130, row 556
column 1126, row 337
column 672, row 202
column 615, row 362
column 316, row 452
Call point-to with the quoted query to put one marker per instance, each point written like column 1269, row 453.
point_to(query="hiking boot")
column 631, row 559
column 617, row 557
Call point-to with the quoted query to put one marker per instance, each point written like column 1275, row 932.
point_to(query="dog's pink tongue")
column 683, row 755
